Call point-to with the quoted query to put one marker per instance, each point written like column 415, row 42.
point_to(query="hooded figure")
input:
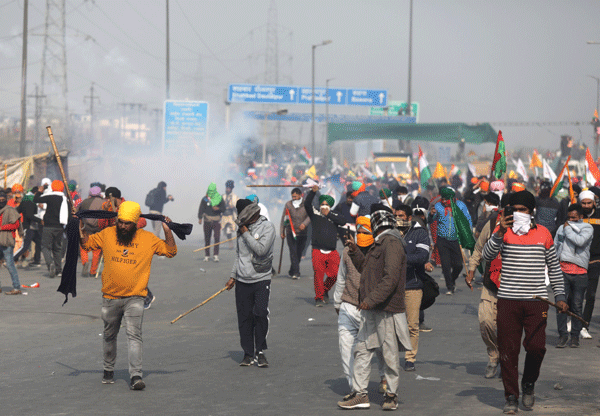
column 211, row 211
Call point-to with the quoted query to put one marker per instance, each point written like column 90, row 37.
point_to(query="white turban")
column 587, row 195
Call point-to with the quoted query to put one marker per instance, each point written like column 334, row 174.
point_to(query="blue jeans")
column 113, row 311
column 10, row 265
column 575, row 286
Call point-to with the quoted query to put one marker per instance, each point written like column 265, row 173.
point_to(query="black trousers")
column 37, row 239
column 590, row 293
column 451, row 259
column 52, row 240
column 252, row 303
column 296, row 246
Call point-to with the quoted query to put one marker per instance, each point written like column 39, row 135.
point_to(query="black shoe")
column 247, row 361
column 262, row 360
column 574, row 342
column 109, row 377
column 408, row 366
column 528, row 397
column 326, row 298
column 511, row 407
column 52, row 271
column 424, row 328
column 562, row 341
column 137, row 383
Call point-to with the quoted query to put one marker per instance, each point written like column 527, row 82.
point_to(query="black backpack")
column 431, row 290
column 150, row 198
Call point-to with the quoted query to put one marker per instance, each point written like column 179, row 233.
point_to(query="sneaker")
column 424, row 328
column 449, row 293
column 36, row 265
column 562, row 341
column 148, row 303
column 383, row 386
column 247, row 361
column 585, row 334
column 355, row 401
column 261, row 360
column 216, row 259
column 109, row 377
column 319, row 303
column 574, row 342
column 325, row 297
column 511, row 407
column 294, row 276
column 59, row 274
column 528, row 396
column 137, row 383
column 14, row 292
column 409, row 366
column 490, row 370
column 206, row 258
column 390, row 402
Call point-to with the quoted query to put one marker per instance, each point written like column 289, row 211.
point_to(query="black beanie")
column 525, row 198
column 241, row 204
column 112, row 191
column 492, row 199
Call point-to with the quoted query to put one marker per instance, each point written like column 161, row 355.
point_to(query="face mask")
column 324, row 209
column 364, row 240
column 490, row 208
column 296, row 203
column 521, row 224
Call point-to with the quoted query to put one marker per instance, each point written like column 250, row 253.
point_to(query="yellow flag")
column 596, row 113
column 439, row 171
column 536, row 161
column 312, row 172
column 513, row 175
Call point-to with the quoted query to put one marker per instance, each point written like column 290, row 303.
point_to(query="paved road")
column 51, row 361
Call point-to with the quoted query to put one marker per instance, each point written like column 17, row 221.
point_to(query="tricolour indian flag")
column 454, row 170
column 304, row 155
column 425, row 172
column 592, row 173
column 560, row 179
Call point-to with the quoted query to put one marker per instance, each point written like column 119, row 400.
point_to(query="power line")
column 204, row 43
column 536, row 123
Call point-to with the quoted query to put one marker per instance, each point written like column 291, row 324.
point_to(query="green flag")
column 463, row 229
column 499, row 163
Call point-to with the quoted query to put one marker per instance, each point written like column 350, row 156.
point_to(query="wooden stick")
column 62, row 171
column 280, row 256
column 569, row 313
column 216, row 244
column 100, row 265
column 197, row 306
column 274, row 186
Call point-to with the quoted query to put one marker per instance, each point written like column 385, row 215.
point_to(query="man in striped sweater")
column 526, row 249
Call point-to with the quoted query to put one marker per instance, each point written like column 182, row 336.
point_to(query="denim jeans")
column 113, row 311
column 10, row 265
column 575, row 286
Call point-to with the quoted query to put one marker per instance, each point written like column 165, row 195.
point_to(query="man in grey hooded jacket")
column 251, row 276
column 573, row 240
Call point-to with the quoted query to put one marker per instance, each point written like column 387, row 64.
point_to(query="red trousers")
column 514, row 317
column 324, row 264
column 95, row 259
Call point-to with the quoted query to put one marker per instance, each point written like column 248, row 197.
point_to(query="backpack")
column 150, row 198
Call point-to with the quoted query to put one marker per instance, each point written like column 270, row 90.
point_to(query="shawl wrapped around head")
column 212, row 194
column 68, row 282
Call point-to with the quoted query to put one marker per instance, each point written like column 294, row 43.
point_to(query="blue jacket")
column 573, row 243
column 417, row 253
column 446, row 227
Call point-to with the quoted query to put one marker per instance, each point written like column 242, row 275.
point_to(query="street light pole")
column 328, row 153
column 597, row 109
column 264, row 146
column 312, row 119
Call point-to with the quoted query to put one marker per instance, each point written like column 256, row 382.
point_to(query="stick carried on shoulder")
column 197, row 306
column 569, row 313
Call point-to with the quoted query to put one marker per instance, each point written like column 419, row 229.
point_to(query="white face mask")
column 296, row 203
column 521, row 224
column 325, row 209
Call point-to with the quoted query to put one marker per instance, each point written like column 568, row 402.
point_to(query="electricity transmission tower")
column 54, row 69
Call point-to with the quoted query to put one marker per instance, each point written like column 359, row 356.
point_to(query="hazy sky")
column 473, row 61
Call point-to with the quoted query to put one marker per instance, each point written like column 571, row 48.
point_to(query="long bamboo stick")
column 216, row 244
column 197, row 306
column 62, row 171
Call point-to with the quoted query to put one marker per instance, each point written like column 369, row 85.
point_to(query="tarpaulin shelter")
column 30, row 170
column 423, row 132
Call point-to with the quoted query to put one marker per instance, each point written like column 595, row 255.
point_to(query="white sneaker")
column 206, row 258
column 216, row 259
column 585, row 334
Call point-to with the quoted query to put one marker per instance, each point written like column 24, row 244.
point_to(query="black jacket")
column 160, row 199
column 28, row 209
column 417, row 253
column 324, row 228
column 53, row 204
column 206, row 208
column 595, row 247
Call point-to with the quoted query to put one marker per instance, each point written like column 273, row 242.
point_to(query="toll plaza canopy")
column 432, row 132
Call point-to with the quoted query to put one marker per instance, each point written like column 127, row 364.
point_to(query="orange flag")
column 536, row 161
column 571, row 192
column 439, row 172
column 593, row 174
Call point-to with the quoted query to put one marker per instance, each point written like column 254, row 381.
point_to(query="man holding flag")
column 453, row 231
column 294, row 224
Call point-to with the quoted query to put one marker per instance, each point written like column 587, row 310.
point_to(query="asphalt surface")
column 51, row 361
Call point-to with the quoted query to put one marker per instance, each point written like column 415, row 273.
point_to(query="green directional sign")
column 394, row 107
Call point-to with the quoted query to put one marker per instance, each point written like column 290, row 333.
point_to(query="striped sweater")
column 524, row 260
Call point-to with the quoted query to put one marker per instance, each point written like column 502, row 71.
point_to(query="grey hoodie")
column 254, row 253
column 573, row 243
